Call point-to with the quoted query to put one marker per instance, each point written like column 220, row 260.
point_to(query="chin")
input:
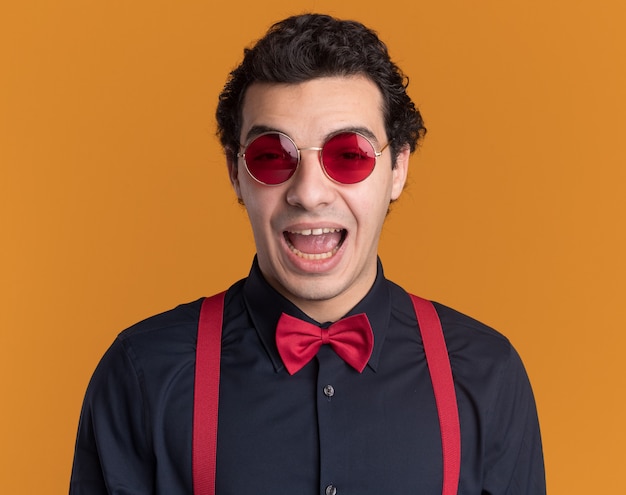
column 312, row 289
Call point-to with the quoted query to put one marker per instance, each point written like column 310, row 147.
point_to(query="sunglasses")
column 272, row 158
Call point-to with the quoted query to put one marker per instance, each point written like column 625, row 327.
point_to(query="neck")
column 324, row 311
column 334, row 307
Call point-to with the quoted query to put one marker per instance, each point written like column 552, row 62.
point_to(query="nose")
column 310, row 188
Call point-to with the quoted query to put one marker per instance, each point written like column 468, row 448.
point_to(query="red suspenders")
column 443, row 386
column 206, row 394
column 207, row 379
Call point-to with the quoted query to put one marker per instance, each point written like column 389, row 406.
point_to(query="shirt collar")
column 265, row 305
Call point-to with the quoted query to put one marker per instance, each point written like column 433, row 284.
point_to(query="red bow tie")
column 298, row 341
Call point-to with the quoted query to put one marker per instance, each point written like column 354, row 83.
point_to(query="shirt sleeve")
column 112, row 454
column 514, row 459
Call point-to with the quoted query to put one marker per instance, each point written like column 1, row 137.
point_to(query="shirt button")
column 329, row 391
column 331, row 490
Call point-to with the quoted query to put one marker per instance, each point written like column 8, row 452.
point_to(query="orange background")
column 115, row 204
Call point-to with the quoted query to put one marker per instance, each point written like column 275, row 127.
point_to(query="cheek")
column 376, row 206
column 369, row 207
column 379, row 191
column 251, row 194
column 261, row 202
column 260, row 226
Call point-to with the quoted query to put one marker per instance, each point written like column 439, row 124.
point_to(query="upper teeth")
column 315, row 231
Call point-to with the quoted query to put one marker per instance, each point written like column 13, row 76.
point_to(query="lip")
column 315, row 231
column 314, row 264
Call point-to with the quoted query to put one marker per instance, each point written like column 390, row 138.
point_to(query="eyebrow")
column 257, row 130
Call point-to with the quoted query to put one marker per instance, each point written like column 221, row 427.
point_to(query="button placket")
column 330, row 409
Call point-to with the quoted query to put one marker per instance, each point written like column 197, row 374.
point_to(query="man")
column 317, row 129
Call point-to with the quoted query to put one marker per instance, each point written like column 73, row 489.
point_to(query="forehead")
column 310, row 111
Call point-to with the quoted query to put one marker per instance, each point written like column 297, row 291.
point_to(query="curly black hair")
column 308, row 46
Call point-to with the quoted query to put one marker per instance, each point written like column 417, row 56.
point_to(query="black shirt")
column 370, row 433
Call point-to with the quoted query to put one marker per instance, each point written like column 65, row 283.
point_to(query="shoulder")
column 176, row 324
column 176, row 329
column 479, row 353
column 488, row 372
column 461, row 330
column 472, row 345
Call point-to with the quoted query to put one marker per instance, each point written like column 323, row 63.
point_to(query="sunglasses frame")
column 311, row 148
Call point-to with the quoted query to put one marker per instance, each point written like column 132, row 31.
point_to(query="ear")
column 400, row 172
column 233, row 173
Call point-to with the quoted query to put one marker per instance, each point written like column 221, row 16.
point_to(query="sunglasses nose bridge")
column 310, row 148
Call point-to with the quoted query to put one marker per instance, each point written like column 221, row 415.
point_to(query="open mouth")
column 315, row 244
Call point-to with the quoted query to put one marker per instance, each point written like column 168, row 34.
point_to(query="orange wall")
column 114, row 202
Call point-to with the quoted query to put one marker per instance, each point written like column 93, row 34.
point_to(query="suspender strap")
column 207, row 379
column 443, row 386
column 206, row 395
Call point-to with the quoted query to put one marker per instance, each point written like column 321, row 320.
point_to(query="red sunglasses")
column 272, row 158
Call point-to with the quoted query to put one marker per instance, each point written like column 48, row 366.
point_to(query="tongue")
column 314, row 244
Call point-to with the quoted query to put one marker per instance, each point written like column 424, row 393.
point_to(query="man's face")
column 317, row 240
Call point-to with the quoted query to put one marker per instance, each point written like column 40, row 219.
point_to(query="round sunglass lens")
column 348, row 158
column 271, row 158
